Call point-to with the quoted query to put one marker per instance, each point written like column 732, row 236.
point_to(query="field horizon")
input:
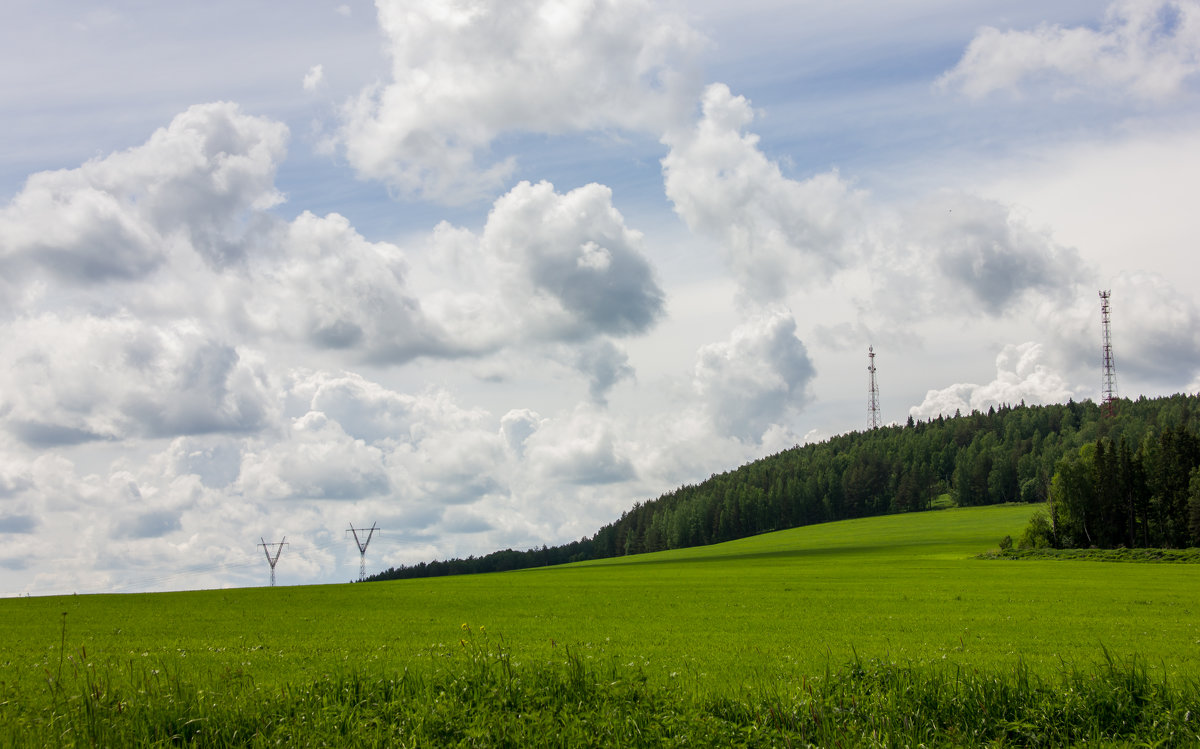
column 694, row 641
column 901, row 587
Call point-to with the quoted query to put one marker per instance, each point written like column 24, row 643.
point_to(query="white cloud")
column 756, row 379
column 775, row 231
column 376, row 414
column 466, row 72
column 1145, row 48
column 314, row 77
column 75, row 380
column 786, row 239
column 318, row 460
column 605, row 365
column 981, row 253
column 201, row 182
column 330, row 288
column 582, row 449
column 534, row 273
column 1020, row 376
column 516, row 427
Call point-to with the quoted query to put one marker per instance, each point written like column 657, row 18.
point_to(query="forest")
column 1130, row 479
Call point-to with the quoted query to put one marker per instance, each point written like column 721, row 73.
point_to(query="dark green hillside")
column 1010, row 454
column 1126, row 489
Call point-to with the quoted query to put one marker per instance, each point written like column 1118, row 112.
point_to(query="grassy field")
column 715, row 624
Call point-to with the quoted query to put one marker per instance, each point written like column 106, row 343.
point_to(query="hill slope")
column 1004, row 455
column 905, row 586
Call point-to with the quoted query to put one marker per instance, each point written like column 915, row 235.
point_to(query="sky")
column 487, row 274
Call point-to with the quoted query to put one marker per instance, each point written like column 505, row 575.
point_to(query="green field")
column 747, row 617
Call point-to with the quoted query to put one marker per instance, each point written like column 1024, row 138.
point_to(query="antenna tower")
column 362, row 548
column 271, row 560
column 873, row 398
column 1109, row 396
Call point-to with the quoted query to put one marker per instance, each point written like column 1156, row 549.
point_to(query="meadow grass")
column 864, row 626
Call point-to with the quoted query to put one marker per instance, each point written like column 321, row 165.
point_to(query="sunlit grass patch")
column 677, row 644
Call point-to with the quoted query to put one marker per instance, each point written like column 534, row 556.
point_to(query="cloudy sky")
column 488, row 273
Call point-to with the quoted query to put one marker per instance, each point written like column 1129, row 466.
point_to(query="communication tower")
column 873, row 398
column 271, row 560
column 1109, row 396
column 362, row 548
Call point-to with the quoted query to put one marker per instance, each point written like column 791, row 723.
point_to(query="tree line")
column 1009, row 454
column 1118, row 493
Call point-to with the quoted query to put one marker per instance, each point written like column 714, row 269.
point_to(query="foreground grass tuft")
column 475, row 693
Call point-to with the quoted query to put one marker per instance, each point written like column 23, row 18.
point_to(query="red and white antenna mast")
column 873, row 398
column 1109, row 396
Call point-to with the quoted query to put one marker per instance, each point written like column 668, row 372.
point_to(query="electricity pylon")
column 362, row 548
column 271, row 560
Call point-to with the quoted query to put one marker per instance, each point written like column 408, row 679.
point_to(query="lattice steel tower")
column 272, row 560
column 1108, row 398
column 362, row 548
column 873, row 398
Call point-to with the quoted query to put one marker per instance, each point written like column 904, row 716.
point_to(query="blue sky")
column 487, row 275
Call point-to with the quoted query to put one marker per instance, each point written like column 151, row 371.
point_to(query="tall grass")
column 478, row 692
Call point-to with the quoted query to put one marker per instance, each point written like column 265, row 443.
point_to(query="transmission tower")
column 271, row 560
column 1109, row 396
column 362, row 548
column 873, row 398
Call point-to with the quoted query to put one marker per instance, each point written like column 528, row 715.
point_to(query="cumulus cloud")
column 547, row 267
column 956, row 245
column 605, row 365
column 460, row 467
column 83, row 379
column 1021, row 375
column 779, row 234
column 583, row 266
column 12, row 481
column 330, row 288
column 201, row 183
column 466, row 72
column 1146, row 48
column 318, row 460
column 756, row 379
column 216, row 462
column 150, row 524
column 422, row 446
column 775, row 231
column 375, row 414
column 516, row 426
column 314, row 77
column 582, row 450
